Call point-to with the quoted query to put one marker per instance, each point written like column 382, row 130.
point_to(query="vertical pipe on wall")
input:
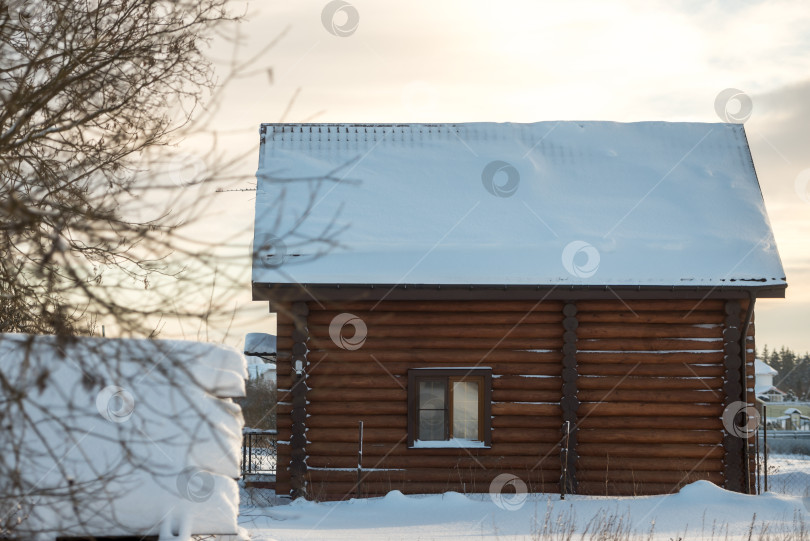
column 749, row 314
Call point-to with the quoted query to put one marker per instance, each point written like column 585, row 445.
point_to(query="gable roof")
column 549, row 203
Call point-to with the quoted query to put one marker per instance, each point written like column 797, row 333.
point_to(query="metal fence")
column 784, row 462
column 259, row 452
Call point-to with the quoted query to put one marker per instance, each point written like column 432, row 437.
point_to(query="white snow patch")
column 409, row 204
column 139, row 433
column 690, row 514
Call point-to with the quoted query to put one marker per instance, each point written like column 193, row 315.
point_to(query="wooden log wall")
column 520, row 341
column 647, row 380
column 651, row 382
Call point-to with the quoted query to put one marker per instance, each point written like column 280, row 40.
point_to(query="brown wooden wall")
column 649, row 378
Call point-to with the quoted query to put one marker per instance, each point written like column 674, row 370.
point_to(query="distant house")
column 791, row 419
column 568, row 303
column 260, row 352
column 763, row 386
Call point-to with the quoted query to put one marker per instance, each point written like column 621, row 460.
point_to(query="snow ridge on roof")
column 569, row 203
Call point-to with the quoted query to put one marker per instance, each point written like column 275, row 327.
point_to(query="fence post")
column 244, row 454
column 765, row 443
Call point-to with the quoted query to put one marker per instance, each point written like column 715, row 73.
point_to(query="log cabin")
column 567, row 303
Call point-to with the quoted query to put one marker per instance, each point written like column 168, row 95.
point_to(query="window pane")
column 465, row 410
column 431, row 395
column 431, row 425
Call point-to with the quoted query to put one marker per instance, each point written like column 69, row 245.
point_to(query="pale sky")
column 528, row 61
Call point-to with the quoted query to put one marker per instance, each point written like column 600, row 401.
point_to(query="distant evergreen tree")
column 794, row 371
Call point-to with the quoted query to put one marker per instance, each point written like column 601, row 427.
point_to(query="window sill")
column 449, row 444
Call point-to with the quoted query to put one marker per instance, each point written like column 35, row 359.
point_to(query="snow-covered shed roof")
column 548, row 203
column 259, row 344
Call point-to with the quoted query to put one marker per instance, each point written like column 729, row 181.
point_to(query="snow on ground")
column 789, row 474
column 699, row 511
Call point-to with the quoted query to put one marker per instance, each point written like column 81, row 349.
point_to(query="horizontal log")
column 372, row 319
column 318, row 395
column 380, row 449
column 635, row 357
column 609, row 463
column 522, row 435
column 282, row 487
column 671, row 317
column 503, row 343
column 438, row 306
column 284, row 380
column 656, row 422
column 351, row 421
column 283, row 366
column 526, row 421
column 358, row 408
column 538, row 330
column 670, row 450
column 646, row 330
column 600, row 488
column 657, row 370
column 644, row 383
column 343, row 435
column 661, row 395
column 647, row 344
column 427, row 475
column 511, row 408
column 432, row 356
column 649, row 408
column 513, row 395
column 651, row 436
column 317, row 381
column 283, row 409
column 548, row 463
column 330, row 367
column 645, row 476
column 526, row 383
column 664, row 305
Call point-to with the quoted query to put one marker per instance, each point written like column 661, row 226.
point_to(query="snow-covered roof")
column 765, row 389
column 259, row 343
column 763, row 369
column 570, row 203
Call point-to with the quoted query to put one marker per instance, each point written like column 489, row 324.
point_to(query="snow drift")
column 119, row 437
